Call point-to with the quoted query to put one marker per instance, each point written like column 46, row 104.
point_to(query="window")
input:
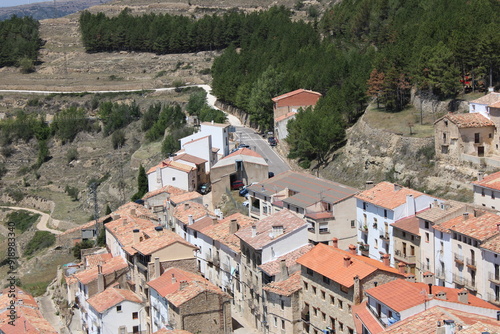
column 341, row 327
column 426, row 224
column 350, row 330
column 344, row 289
column 385, row 213
column 173, row 178
column 326, row 280
column 309, row 271
column 364, row 205
column 275, row 322
column 332, row 300
column 476, row 138
column 122, row 330
column 323, row 228
column 492, row 195
column 135, row 329
column 315, row 310
column 482, row 192
column 135, row 315
column 341, row 304
column 195, row 234
column 426, row 236
column 323, row 295
column 314, row 289
column 306, row 286
column 282, row 302
column 353, row 223
column 118, row 308
column 323, row 316
column 282, row 324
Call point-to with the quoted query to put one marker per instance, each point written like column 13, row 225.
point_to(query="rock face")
column 376, row 155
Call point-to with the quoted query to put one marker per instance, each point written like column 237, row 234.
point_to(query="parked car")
column 238, row 184
column 205, row 188
column 270, row 174
column 272, row 141
column 243, row 146
column 243, row 191
column 246, row 203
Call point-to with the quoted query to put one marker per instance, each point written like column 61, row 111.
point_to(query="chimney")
column 410, row 205
column 428, row 277
column 183, row 284
column 173, row 279
column 233, row 226
column 347, row 260
column 254, row 230
column 397, row 187
column 357, row 290
column 136, row 235
column 463, row 296
column 368, row 185
column 480, row 175
column 115, row 216
column 284, row 270
column 352, row 249
column 410, row 278
column 335, row 242
column 132, row 212
column 435, row 204
column 100, row 279
column 449, row 326
column 186, row 206
column 190, row 219
column 466, row 215
column 158, row 230
column 214, row 221
column 157, row 267
column 441, row 295
column 402, row 268
column 386, row 259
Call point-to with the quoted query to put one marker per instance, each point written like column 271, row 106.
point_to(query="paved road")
column 260, row 145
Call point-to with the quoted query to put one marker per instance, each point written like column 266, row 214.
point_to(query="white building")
column 491, row 266
column 487, row 191
column 116, row 311
column 218, row 132
column 174, row 173
column 202, row 148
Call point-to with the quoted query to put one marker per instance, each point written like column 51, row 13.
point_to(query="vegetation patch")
column 41, row 240
column 22, row 219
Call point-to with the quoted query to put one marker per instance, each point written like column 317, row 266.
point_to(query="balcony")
column 494, row 299
column 471, row 285
column 494, row 277
column 459, row 259
column 402, row 256
column 384, row 235
column 470, row 263
column 440, row 274
column 364, row 249
column 459, row 280
column 363, row 228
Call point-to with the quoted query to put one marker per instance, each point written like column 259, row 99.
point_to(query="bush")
column 7, row 151
column 81, row 245
column 72, row 154
column 41, row 240
column 72, row 192
column 23, row 220
column 3, row 170
column 118, row 139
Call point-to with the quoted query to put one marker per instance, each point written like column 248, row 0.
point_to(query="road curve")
column 44, row 219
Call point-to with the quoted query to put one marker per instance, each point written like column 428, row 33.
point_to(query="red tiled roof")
column 401, row 295
column 154, row 244
column 295, row 92
column 111, row 297
column 469, row 120
column 172, row 164
column 243, row 151
column 285, row 116
column 490, row 98
column 21, row 298
column 220, row 231
column 387, row 195
column 115, row 264
column 273, row 267
column 408, row 224
column 170, row 288
column 285, row 218
column 363, row 316
column 95, row 259
column 287, row 287
column 186, row 196
column 201, row 224
column 171, row 190
column 491, row 181
column 480, row 228
column 425, row 322
column 190, row 158
column 492, row 244
column 329, row 261
column 197, row 210
column 320, row 215
column 122, row 229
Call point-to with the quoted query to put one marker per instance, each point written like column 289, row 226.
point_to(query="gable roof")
column 186, row 196
column 123, row 229
column 273, row 267
column 363, row 317
column 481, row 228
column 287, row 219
column 491, row 181
column 112, row 266
column 492, row 244
column 468, row 120
column 172, row 164
column 330, row 262
column 154, row 244
column 387, row 195
column 168, row 285
column 190, row 158
column 286, row 287
column 401, row 295
column 221, row 231
column 197, row 210
column 111, row 297
column 490, row 98
column 304, row 189
column 171, row 190
column 243, row 154
column 295, row 92
column 408, row 224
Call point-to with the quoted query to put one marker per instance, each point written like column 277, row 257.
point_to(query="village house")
column 387, row 305
column 186, row 214
column 219, row 134
column 262, row 242
column 157, row 201
column 286, row 106
column 242, row 165
column 202, row 148
column 380, row 207
column 327, row 206
column 186, row 301
column 334, row 281
column 183, row 171
column 487, row 190
column 116, row 311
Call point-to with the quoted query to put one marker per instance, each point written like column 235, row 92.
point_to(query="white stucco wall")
column 159, row 310
column 289, row 242
column 201, row 148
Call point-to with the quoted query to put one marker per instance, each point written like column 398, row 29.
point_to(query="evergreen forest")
column 19, row 42
column 356, row 51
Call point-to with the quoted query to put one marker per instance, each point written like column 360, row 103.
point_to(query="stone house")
column 186, row 301
column 333, row 281
column 286, row 106
column 327, row 206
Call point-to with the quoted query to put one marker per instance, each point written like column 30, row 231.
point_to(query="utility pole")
column 93, row 192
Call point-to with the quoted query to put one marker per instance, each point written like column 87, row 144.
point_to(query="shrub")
column 72, row 154
column 23, row 220
column 7, row 151
column 72, row 192
column 118, row 139
column 41, row 240
column 81, row 245
column 3, row 170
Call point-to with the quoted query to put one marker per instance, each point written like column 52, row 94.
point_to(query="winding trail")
column 45, row 219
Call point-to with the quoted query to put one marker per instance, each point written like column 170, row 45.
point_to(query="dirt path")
column 45, row 219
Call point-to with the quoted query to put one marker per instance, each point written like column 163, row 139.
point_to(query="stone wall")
column 30, row 201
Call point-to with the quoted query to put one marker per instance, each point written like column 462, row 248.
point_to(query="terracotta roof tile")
column 273, row 267
column 197, row 210
column 469, row 120
column 285, row 116
column 190, row 158
column 111, row 297
column 157, row 242
column 401, row 295
column 168, row 285
column 94, row 259
column 243, row 151
column 425, row 322
column 286, row 287
column 21, row 298
column 492, row 244
column 363, row 316
column 187, row 196
column 115, row 264
column 387, row 195
column 172, row 164
column 491, row 181
column 135, row 210
column 480, row 228
column 123, row 229
column 329, row 261
column 220, row 232
column 171, row 190
column 487, row 99
column 204, row 223
column 295, row 92
column 285, row 218
column 408, row 224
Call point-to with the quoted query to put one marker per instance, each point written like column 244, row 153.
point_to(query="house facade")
column 217, row 131
column 487, row 190
column 174, row 173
